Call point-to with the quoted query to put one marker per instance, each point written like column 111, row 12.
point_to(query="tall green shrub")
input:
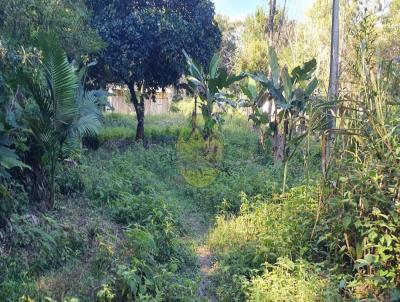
column 62, row 110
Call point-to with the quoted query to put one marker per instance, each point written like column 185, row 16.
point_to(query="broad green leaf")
column 274, row 65
column 196, row 82
column 370, row 259
column 252, row 88
column 287, row 83
column 262, row 97
column 9, row 159
column 346, row 222
column 276, row 94
column 246, row 92
column 234, row 78
column 194, row 69
column 213, row 68
column 221, row 79
column 305, row 72
column 311, row 87
column 259, row 77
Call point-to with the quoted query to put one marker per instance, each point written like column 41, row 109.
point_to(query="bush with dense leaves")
column 288, row 281
column 262, row 232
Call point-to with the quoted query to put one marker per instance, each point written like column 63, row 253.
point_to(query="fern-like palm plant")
column 64, row 110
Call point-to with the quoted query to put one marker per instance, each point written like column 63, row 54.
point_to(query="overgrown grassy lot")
column 127, row 226
column 273, row 174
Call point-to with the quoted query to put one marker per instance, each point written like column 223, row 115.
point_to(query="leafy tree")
column 253, row 55
column 69, row 20
column 145, row 41
column 200, row 151
column 230, row 41
column 392, row 30
column 261, row 31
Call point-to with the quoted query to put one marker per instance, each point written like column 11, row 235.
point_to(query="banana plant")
column 254, row 98
column 291, row 94
column 210, row 87
column 63, row 109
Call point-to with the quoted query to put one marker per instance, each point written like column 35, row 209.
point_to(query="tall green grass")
column 292, row 281
column 263, row 231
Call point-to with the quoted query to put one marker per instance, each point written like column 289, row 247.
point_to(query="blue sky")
column 238, row 9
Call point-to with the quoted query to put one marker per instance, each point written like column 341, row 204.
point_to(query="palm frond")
column 61, row 79
column 87, row 125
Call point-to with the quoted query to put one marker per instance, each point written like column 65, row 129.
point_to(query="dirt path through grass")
column 206, row 261
column 198, row 226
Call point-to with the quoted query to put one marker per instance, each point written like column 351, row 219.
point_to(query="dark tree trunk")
column 53, row 167
column 139, row 108
column 194, row 114
column 140, row 120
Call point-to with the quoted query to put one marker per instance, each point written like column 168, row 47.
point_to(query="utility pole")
column 333, row 85
column 334, row 66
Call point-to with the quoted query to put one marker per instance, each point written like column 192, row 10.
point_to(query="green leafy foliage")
column 360, row 226
column 255, row 99
column 70, row 180
column 22, row 19
column 292, row 281
column 261, row 232
column 8, row 157
column 128, row 220
column 210, row 87
column 63, row 110
column 136, row 32
column 38, row 244
column 14, row 199
column 252, row 56
column 291, row 95
column 9, row 131
column 135, row 194
column 289, row 92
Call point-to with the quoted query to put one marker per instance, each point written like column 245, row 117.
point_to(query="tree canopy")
column 69, row 20
column 253, row 54
column 231, row 32
column 145, row 42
